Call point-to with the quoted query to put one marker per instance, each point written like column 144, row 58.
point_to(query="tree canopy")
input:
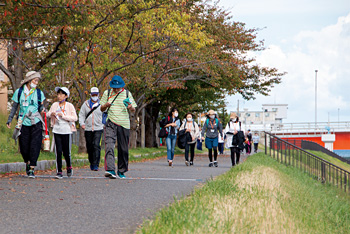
column 189, row 53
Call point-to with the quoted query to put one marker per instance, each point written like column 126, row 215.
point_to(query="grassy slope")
column 258, row 196
column 332, row 160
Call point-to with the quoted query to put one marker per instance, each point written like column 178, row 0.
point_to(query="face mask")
column 94, row 98
column 212, row 116
column 32, row 85
column 176, row 114
column 189, row 119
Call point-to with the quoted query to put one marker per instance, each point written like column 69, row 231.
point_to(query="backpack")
column 164, row 122
column 216, row 120
column 20, row 90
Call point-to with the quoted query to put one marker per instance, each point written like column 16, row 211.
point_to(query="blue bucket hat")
column 117, row 82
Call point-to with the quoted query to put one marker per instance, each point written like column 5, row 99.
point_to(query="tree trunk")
column 17, row 63
column 82, row 142
column 151, row 118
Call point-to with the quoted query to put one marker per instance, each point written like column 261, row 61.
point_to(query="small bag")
column 46, row 140
column 104, row 117
column 163, row 133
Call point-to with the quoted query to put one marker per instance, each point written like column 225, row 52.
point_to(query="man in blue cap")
column 117, row 102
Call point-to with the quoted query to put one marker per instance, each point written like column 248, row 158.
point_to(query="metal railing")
column 318, row 168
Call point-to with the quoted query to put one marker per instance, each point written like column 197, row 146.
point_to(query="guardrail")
column 318, row 168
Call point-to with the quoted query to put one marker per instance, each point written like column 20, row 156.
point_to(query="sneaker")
column 187, row 163
column 91, row 167
column 95, row 168
column 110, row 174
column 31, row 174
column 59, row 175
column 216, row 164
column 27, row 169
column 69, row 171
column 191, row 163
column 211, row 164
column 121, row 175
column 170, row 163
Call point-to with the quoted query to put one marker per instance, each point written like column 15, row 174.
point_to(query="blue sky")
column 300, row 37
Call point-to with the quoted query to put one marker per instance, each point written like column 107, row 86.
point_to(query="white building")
column 270, row 116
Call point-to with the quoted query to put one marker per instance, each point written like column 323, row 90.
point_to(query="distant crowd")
column 108, row 115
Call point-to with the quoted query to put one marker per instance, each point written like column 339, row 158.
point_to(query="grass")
column 258, row 196
column 331, row 159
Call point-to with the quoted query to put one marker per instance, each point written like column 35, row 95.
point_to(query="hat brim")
column 26, row 80
column 59, row 88
column 116, row 86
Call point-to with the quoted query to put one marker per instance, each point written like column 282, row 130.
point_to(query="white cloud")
column 328, row 51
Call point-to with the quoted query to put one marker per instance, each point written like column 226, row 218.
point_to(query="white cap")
column 94, row 90
column 64, row 89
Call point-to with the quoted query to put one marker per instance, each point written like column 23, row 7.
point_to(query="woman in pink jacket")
column 63, row 117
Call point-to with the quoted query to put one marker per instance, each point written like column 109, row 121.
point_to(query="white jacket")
column 194, row 130
column 229, row 130
column 94, row 121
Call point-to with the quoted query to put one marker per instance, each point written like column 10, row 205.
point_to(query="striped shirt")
column 118, row 113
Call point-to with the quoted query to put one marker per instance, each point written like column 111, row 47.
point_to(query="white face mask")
column 32, row 85
column 176, row 114
column 212, row 116
column 189, row 119
column 94, row 98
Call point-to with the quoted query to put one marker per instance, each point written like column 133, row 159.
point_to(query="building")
column 3, row 77
column 270, row 115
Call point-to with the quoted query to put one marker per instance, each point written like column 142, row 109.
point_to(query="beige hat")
column 31, row 75
column 211, row 112
column 233, row 115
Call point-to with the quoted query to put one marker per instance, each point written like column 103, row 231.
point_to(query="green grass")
column 259, row 196
column 331, row 159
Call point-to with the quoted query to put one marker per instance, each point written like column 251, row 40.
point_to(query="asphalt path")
column 90, row 203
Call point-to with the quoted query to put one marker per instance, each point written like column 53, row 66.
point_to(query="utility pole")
column 316, row 99
column 143, row 135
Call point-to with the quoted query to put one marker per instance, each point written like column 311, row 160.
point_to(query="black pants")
column 221, row 148
column 189, row 147
column 247, row 148
column 62, row 145
column 256, row 147
column 113, row 133
column 30, row 142
column 93, row 139
column 211, row 154
column 235, row 155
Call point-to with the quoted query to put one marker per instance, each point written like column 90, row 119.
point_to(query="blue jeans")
column 170, row 146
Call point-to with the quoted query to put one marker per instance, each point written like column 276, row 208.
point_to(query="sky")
column 301, row 36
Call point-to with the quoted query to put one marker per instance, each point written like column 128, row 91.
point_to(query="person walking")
column 234, row 138
column 117, row 102
column 90, row 119
column 256, row 140
column 172, row 124
column 211, row 129
column 30, row 123
column 249, row 142
column 63, row 117
column 192, row 127
column 221, row 143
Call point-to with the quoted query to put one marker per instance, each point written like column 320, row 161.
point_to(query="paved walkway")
column 90, row 203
